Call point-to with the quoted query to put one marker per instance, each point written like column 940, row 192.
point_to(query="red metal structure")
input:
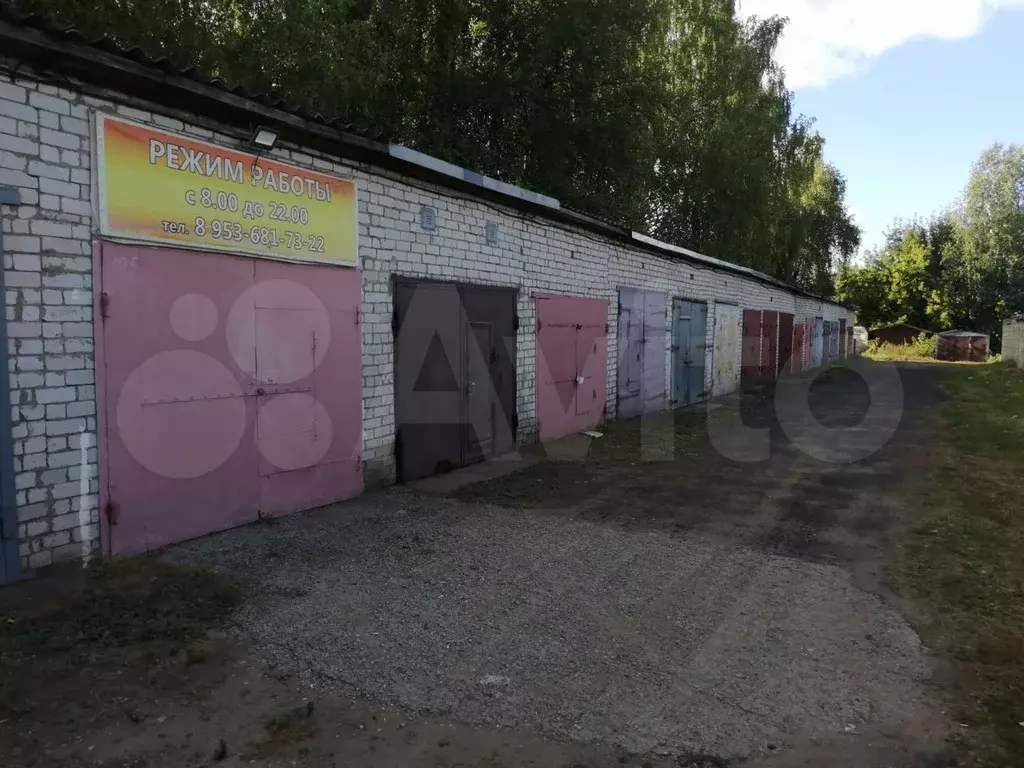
column 799, row 347
column 769, row 343
column 785, row 342
column 572, row 363
column 750, row 363
column 962, row 346
column 228, row 388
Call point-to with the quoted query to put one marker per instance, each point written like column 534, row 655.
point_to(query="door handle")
column 471, row 388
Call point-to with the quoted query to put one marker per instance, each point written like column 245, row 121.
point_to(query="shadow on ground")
column 610, row 610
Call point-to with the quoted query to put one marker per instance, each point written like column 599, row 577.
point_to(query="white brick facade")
column 1013, row 340
column 46, row 141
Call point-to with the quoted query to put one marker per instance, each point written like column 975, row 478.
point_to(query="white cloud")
column 829, row 39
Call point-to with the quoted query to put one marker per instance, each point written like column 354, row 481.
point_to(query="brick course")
column 45, row 152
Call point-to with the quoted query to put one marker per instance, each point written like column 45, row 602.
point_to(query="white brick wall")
column 45, row 152
column 1013, row 341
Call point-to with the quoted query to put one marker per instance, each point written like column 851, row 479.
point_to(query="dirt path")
column 609, row 611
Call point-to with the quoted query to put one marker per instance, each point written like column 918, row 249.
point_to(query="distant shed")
column 899, row 334
column 962, row 346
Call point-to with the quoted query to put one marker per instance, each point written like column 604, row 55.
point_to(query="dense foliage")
column 668, row 116
column 963, row 269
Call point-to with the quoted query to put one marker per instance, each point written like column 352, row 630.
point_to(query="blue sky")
column 907, row 93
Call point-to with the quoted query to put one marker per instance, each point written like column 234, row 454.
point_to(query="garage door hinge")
column 539, row 326
column 104, row 304
column 515, row 323
column 357, row 316
column 111, row 511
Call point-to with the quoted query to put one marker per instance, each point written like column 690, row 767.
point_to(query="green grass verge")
column 965, row 559
column 921, row 349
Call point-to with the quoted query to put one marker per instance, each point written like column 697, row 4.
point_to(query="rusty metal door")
column 642, row 337
column 842, row 339
column 833, row 342
column 785, row 342
column 572, row 355
column 726, row 350
column 799, row 347
column 454, row 375
column 979, row 349
column 751, row 363
column 769, row 343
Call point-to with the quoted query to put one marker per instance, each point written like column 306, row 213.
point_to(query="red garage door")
column 751, row 360
column 769, row 342
column 799, row 347
column 786, row 345
column 572, row 364
column 229, row 388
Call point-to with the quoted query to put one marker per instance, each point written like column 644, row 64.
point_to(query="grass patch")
column 965, row 559
column 921, row 349
column 136, row 612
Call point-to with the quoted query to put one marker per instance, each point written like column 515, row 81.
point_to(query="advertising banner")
column 164, row 188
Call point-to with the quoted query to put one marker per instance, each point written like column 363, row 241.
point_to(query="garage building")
column 219, row 309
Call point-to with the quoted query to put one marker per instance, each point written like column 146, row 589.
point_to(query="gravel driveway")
column 713, row 634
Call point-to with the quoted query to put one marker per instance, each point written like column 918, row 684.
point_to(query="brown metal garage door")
column 455, row 386
column 785, row 342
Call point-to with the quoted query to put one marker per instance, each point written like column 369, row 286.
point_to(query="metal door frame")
column 10, row 560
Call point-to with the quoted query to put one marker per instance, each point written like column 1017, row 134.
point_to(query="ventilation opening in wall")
column 428, row 218
column 491, row 232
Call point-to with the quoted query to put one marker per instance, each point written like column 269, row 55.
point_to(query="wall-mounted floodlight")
column 264, row 138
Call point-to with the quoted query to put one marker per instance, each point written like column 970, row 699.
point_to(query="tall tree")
column 668, row 116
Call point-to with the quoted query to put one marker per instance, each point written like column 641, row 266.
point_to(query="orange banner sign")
column 163, row 188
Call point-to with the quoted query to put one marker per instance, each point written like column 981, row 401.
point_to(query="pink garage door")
column 572, row 363
column 229, row 388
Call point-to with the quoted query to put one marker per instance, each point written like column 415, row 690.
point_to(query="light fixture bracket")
column 264, row 138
